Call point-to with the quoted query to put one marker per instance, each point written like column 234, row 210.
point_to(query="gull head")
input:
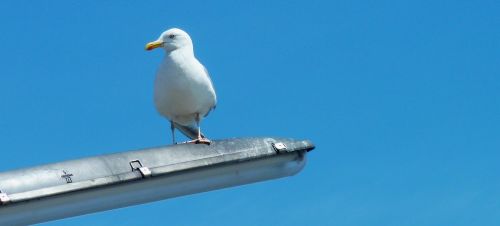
column 170, row 40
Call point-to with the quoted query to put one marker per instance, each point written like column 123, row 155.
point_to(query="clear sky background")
column 401, row 98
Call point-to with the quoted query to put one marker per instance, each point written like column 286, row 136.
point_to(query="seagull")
column 183, row 90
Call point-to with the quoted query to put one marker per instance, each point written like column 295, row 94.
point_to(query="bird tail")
column 189, row 131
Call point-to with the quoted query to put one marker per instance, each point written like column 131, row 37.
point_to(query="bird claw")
column 200, row 141
column 197, row 141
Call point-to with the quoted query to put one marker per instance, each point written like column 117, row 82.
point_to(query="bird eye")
column 171, row 36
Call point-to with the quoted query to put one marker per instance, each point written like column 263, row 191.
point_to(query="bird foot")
column 200, row 141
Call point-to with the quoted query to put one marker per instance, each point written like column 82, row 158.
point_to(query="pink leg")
column 200, row 140
column 172, row 127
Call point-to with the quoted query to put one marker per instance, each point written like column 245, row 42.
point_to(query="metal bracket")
column 137, row 165
column 279, row 147
column 4, row 198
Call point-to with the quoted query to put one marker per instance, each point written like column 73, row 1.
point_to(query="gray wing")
column 189, row 131
column 209, row 78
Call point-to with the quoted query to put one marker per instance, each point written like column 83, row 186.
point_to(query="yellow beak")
column 153, row 45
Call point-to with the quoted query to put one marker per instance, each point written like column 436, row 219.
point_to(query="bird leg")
column 172, row 128
column 200, row 139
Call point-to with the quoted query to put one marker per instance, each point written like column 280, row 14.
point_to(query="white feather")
column 182, row 87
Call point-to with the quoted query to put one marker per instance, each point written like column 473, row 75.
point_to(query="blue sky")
column 402, row 99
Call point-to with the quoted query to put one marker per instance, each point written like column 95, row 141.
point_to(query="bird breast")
column 181, row 91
